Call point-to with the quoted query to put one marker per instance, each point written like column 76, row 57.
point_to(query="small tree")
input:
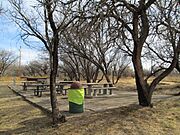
column 7, row 58
column 44, row 20
column 37, row 68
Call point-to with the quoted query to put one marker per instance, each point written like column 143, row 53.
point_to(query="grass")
column 19, row 117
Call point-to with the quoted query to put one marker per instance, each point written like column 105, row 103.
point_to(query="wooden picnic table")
column 91, row 89
column 40, row 87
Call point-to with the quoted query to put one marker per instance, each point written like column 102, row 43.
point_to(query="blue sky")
column 11, row 41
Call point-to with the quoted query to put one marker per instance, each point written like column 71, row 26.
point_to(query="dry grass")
column 7, row 80
column 163, row 119
column 18, row 117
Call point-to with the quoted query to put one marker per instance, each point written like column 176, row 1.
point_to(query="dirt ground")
column 19, row 117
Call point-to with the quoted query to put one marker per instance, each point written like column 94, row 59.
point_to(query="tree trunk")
column 178, row 63
column 95, row 76
column 54, row 103
column 143, row 97
column 56, row 115
column 108, row 80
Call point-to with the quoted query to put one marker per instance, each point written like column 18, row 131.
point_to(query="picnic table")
column 42, row 87
column 92, row 89
column 26, row 84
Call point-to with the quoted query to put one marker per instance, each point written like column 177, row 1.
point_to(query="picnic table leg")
column 99, row 91
column 61, row 90
column 89, row 90
column 40, row 93
column 37, row 90
column 34, row 92
column 110, row 91
column 85, row 91
column 95, row 92
column 65, row 91
column 105, row 90
column 25, row 87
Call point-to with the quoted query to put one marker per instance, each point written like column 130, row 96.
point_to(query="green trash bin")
column 75, row 108
column 76, row 98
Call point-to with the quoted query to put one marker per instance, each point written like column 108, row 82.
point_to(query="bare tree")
column 77, row 67
column 119, row 66
column 134, row 24
column 44, row 20
column 168, row 28
column 7, row 58
column 91, row 40
column 37, row 68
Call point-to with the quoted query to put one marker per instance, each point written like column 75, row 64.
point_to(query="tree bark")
column 108, row 79
column 143, row 95
column 178, row 63
column 56, row 115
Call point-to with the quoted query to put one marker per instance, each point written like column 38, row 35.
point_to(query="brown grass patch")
column 18, row 117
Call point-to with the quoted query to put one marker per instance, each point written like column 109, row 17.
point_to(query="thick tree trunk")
column 143, row 96
column 56, row 115
column 178, row 63
column 54, row 103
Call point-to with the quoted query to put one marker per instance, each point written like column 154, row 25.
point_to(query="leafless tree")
column 77, row 67
column 91, row 40
column 169, row 21
column 7, row 58
column 166, row 34
column 44, row 20
column 1, row 9
column 119, row 66
column 134, row 22
column 37, row 68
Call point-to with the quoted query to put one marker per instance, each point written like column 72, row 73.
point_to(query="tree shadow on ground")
column 31, row 126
